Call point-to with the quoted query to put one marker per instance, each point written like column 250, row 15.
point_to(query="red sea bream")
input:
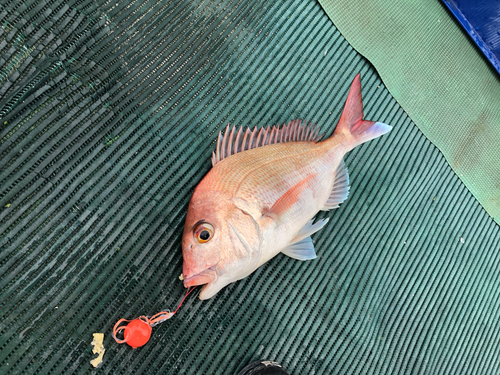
column 261, row 195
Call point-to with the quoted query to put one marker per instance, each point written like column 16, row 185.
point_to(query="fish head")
column 220, row 243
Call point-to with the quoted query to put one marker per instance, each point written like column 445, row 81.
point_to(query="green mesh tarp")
column 439, row 76
column 109, row 113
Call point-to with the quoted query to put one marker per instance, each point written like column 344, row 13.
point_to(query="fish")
column 260, row 197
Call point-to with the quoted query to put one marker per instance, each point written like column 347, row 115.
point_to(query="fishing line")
column 138, row 331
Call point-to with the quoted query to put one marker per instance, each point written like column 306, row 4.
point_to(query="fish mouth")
column 201, row 278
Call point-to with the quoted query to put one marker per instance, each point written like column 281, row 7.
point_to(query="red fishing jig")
column 138, row 331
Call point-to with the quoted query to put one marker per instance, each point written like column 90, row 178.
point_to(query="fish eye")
column 203, row 232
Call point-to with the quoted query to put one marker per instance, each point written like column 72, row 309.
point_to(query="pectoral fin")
column 287, row 200
column 301, row 250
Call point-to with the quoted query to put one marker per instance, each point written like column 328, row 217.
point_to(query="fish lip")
column 208, row 273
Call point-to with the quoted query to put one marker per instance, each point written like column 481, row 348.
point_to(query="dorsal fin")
column 235, row 141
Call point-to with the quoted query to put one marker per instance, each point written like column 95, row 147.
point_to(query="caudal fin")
column 351, row 124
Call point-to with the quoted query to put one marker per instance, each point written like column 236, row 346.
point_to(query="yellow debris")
column 181, row 277
column 98, row 348
column 97, row 361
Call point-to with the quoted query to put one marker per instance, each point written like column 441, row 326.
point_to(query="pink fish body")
column 264, row 189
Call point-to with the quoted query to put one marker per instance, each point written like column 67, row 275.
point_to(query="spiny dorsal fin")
column 235, row 141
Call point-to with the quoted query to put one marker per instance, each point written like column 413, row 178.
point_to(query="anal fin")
column 340, row 190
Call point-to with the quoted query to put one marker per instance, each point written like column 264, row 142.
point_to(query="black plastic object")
column 481, row 20
column 109, row 114
column 263, row 368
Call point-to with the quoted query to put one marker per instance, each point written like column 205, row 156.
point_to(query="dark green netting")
column 109, row 115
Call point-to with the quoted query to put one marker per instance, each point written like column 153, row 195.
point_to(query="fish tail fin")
column 351, row 124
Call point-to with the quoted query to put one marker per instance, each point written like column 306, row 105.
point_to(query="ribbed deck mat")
column 109, row 116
